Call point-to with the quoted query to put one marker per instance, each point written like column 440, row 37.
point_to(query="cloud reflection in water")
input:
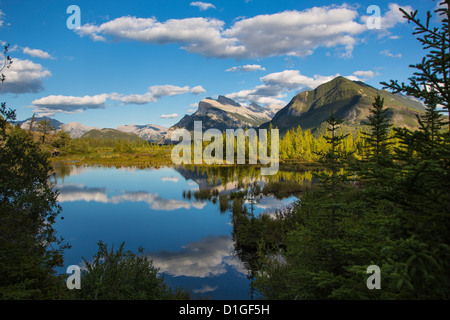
column 77, row 192
column 205, row 258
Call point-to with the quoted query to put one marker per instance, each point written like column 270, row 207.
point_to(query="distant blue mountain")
column 25, row 124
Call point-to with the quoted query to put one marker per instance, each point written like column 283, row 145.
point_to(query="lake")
column 188, row 239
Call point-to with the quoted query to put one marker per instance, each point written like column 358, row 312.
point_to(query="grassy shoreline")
column 158, row 158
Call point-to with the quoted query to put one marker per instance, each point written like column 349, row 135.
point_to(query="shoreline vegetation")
column 298, row 150
column 147, row 160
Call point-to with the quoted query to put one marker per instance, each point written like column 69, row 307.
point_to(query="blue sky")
column 141, row 62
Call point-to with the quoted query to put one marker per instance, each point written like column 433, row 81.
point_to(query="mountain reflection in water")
column 188, row 239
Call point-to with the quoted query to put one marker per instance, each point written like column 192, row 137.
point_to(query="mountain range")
column 344, row 98
column 148, row 132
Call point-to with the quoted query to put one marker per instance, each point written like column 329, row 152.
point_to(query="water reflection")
column 270, row 204
column 76, row 192
column 156, row 202
column 188, row 238
column 205, row 258
column 79, row 192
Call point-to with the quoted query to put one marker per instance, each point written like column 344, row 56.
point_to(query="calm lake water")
column 189, row 240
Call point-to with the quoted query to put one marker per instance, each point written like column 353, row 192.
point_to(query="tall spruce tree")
column 333, row 160
column 418, row 250
column 376, row 145
column 379, row 122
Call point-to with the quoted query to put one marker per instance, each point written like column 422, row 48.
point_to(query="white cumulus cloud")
column 24, row 76
column 2, row 16
column 390, row 19
column 197, row 90
column 167, row 90
column 200, row 35
column 203, row 5
column 152, row 95
column 288, row 33
column 37, row 53
column 169, row 116
column 134, row 98
column 246, row 68
column 68, row 104
column 292, row 79
column 389, row 54
column 364, row 75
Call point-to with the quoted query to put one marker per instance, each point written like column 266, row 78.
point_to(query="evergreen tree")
column 418, row 246
column 430, row 134
column 376, row 147
column 45, row 128
column 431, row 81
column 377, row 140
column 332, row 182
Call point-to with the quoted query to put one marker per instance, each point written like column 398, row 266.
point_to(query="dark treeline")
column 389, row 208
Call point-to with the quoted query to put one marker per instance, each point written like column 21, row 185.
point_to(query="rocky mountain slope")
column 76, row 129
column 224, row 113
column 348, row 99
